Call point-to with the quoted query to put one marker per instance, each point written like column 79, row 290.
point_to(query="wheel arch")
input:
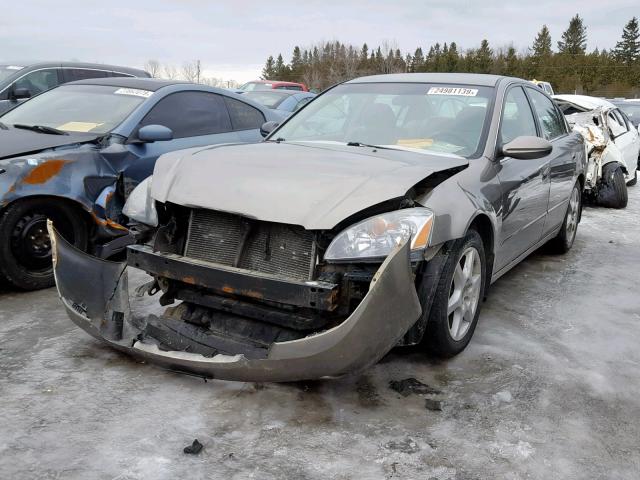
column 482, row 224
column 83, row 212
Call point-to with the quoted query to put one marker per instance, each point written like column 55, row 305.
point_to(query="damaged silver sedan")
column 375, row 216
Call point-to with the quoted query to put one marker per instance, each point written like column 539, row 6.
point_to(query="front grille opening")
column 231, row 240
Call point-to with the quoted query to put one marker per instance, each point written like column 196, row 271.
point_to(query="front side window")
column 78, row 108
column 616, row 123
column 410, row 116
column 243, row 116
column 190, row 114
column 553, row 126
column 38, row 81
column 7, row 70
column 517, row 118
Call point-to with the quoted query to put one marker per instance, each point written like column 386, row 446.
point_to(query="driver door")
column 525, row 183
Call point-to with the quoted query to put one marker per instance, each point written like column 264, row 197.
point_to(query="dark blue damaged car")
column 73, row 154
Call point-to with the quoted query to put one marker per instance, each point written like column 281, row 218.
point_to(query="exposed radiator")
column 231, row 240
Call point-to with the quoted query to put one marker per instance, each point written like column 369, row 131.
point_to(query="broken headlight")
column 140, row 206
column 376, row 237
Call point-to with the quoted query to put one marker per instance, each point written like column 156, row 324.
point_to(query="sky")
column 233, row 39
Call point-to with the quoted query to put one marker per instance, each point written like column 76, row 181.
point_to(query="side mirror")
column 268, row 127
column 154, row 133
column 20, row 93
column 527, row 148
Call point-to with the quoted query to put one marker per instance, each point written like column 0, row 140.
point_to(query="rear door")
column 196, row 118
column 524, row 183
column 625, row 138
column 562, row 160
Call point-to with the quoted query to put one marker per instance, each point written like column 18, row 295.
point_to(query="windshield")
column 256, row 86
column 427, row 117
column 78, row 108
column 7, row 70
column 270, row 99
column 632, row 110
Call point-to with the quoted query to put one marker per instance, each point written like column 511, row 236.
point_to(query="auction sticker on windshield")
column 134, row 91
column 461, row 92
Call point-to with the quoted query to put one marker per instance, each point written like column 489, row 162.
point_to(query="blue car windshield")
column 420, row 117
column 78, row 108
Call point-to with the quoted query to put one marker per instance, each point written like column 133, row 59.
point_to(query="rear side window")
column 243, row 116
column 190, row 114
column 553, row 126
column 38, row 81
column 517, row 118
column 73, row 74
column 289, row 87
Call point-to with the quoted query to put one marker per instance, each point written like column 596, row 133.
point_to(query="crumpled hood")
column 313, row 185
column 16, row 141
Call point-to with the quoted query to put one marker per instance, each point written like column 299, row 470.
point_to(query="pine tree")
column 452, row 58
column 542, row 44
column 484, row 57
column 269, row 71
column 574, row 38
column 628, row 48
column 281, row 70
column 417, row 62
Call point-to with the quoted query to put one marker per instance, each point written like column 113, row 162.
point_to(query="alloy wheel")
column 464, row 293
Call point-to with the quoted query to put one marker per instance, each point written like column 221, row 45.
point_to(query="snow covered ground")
column 548, row 388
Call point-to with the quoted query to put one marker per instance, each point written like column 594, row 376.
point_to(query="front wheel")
column 25, row 246
column 613, row 190
column 456, row 305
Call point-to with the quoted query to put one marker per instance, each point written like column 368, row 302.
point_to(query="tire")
column 563, row 242
column 442, row 338
column 632, row 182
column 25, row 248
column 613, row 190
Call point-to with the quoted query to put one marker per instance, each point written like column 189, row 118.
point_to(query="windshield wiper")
column 41, row 129
column 360, row 144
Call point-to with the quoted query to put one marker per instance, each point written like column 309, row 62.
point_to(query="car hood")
column 309, row 184
column 16, row 141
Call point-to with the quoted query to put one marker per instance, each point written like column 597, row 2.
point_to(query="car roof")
column 585, row 101
column 151, row 84
column 275, row 81
column 280, row 93
column 479, row 79
column 97, row 66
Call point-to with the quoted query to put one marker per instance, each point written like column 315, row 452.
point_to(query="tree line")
column 189, row 71
column 569, row 67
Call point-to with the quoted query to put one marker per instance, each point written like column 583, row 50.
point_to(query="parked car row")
column 377, row 215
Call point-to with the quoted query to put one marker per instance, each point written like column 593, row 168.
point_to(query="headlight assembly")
column 376, row 237
column 140, row 206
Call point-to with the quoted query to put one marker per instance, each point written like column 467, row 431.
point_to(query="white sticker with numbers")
column 133, row 91
column 459, row 91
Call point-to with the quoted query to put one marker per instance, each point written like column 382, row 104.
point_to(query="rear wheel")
column 563, row 242
column 613, row 191
column 634, row 180
column 25, row 246
column 456, row 305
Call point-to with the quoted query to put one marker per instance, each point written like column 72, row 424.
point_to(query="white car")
column 613, row 146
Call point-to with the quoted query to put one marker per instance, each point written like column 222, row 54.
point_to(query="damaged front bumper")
column 95, row 294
